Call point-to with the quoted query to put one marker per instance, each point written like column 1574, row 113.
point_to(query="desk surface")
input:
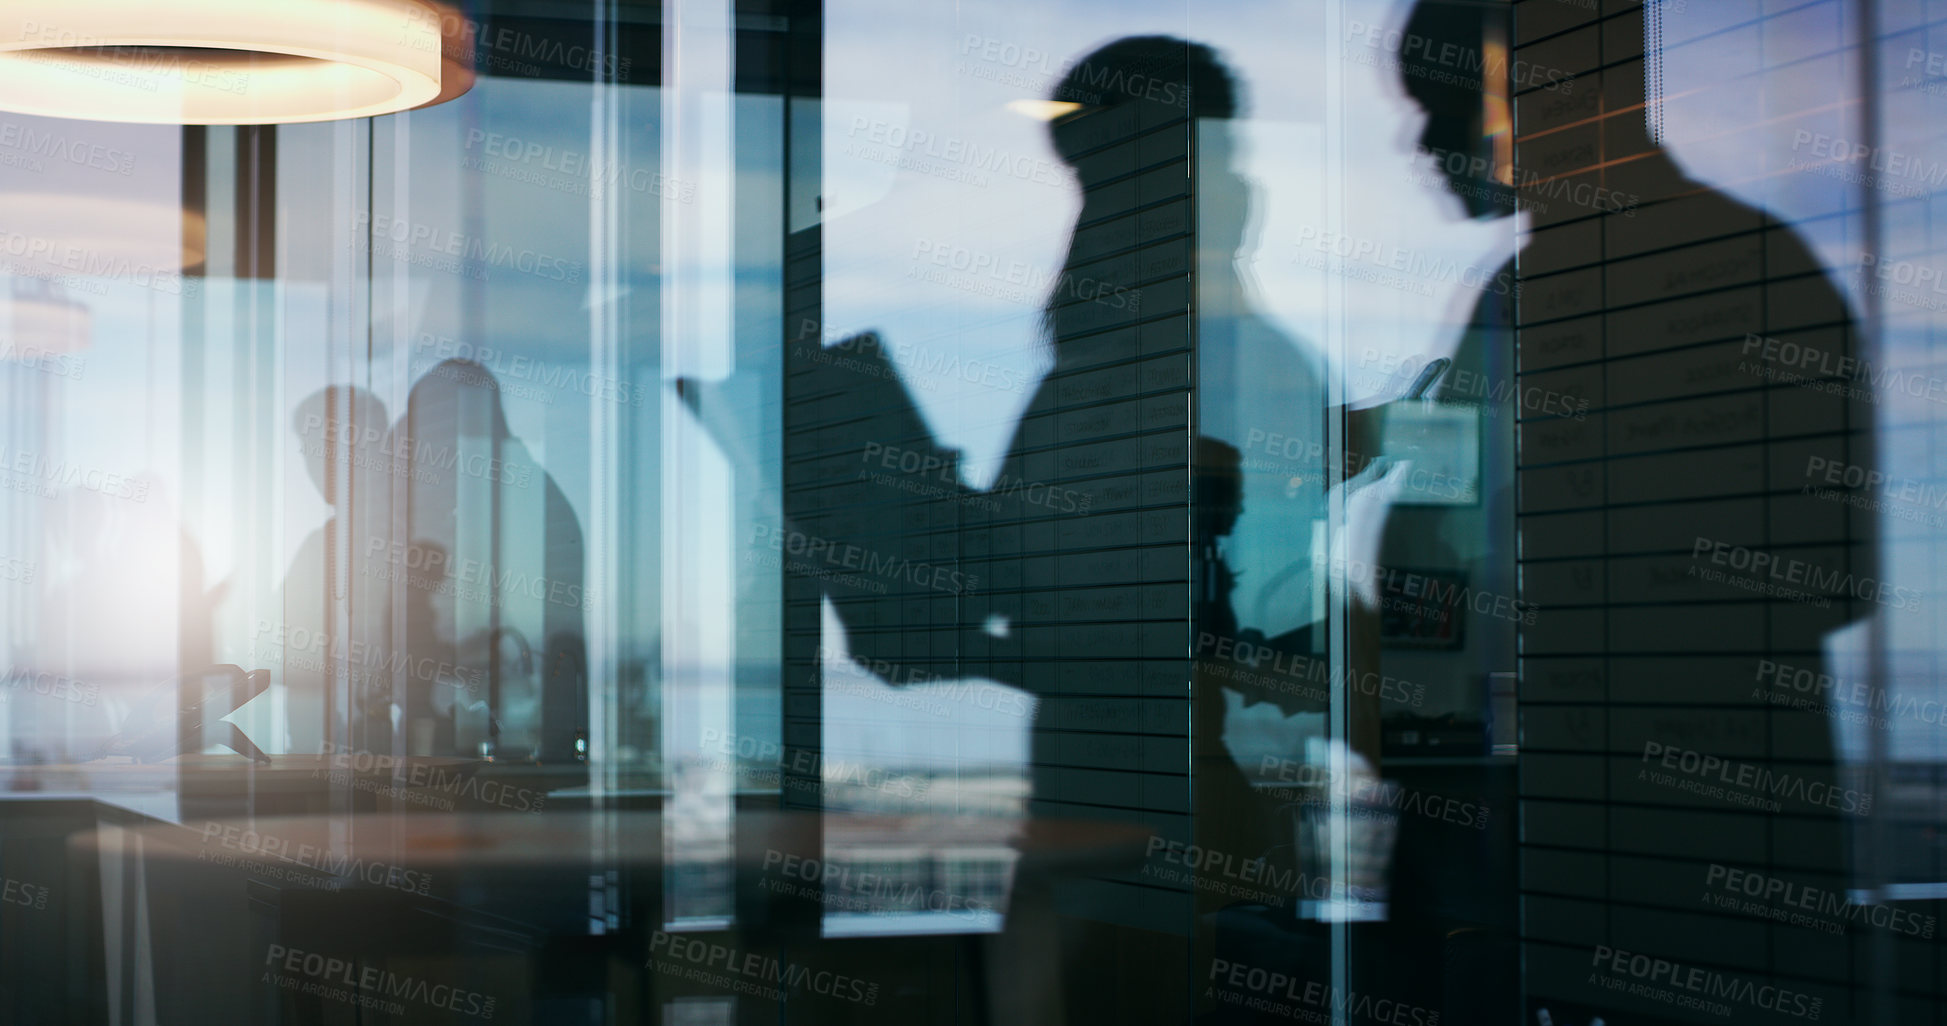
column 290, row 784
column 126, row 773
column 644, row 839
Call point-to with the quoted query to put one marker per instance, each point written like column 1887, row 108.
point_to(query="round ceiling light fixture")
column 224, row 62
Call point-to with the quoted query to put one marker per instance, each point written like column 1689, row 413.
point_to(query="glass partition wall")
column 1361, row 512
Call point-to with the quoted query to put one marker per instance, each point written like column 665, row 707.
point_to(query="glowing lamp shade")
column 220, row 62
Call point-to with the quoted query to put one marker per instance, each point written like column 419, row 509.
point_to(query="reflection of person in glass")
column 1069, row 577
column 487, row 572
column 1250, row 511
column 1248, row 374
column 1231, row 815
column 1643, row 290
column 332, row 426
column 1063, row 491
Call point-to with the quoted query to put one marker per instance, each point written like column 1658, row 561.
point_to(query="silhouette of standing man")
column 1662, row 302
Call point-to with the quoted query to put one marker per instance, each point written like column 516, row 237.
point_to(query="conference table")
column 411, row 914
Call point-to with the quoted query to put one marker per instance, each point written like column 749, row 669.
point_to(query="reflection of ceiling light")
column 219, row 62
column 1497, row 112
column 457, row 44
column 42, row 321
column 1043, row 110
column 68, row 233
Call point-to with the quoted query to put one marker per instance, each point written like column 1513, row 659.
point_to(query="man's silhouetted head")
column 334, row 425
column 1134, row 82
column 1453, row 61
column 456, row 398
column 1219, row 478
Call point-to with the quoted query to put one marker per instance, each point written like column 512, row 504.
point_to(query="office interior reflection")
column 1372, row 511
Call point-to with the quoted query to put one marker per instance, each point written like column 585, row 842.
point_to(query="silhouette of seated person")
column 487, row 571
column 1233, row 816
column 339, row 429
